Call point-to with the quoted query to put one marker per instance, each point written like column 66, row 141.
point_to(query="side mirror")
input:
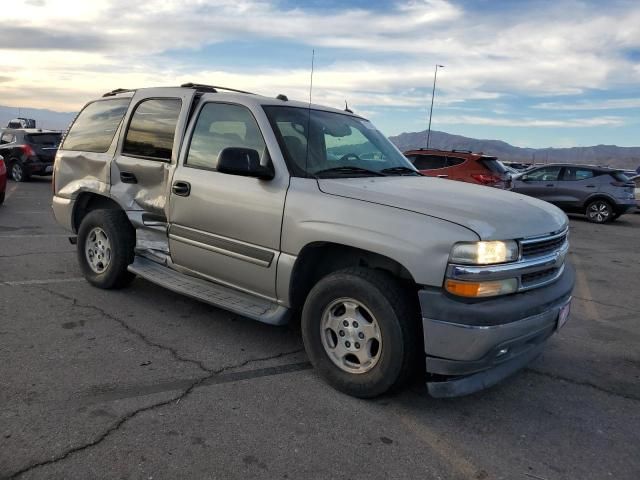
column 244, row 162
column 523, row 178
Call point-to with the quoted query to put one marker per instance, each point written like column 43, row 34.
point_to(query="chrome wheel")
column 599, row 211
column 16, row 172
column 351, row 336
column 97, row 249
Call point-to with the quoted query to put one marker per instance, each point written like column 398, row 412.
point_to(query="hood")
column 492, row 213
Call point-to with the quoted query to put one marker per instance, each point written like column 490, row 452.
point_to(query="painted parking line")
column 17, row 283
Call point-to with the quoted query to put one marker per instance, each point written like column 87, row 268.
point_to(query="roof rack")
column 212, row 88
column 117, row 91
column 463, row 151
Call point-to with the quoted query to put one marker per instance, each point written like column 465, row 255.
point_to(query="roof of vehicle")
column 437, row 151
column 30, row 130
column 582, row 165
column 224, row 93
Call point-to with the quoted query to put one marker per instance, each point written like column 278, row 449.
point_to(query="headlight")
column 484, row 253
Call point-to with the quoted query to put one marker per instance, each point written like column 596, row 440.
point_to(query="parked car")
column 267, row 207
column 22, row 123
column 3, row 180
column 461, row 165
column 519, row 166
column 29, row 152
column 601, row 193
column 636, row 180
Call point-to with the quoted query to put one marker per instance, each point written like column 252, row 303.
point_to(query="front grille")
column 530, row 279
column 542, row 247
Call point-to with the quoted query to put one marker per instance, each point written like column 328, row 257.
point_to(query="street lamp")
column 433, row 92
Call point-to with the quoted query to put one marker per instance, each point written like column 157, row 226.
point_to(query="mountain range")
column 612, row 155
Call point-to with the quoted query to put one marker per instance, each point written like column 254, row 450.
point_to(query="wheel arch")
column 599, row 196
column 307, row 270
column 87, row 202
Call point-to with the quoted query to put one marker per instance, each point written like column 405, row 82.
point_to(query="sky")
column 533, row 73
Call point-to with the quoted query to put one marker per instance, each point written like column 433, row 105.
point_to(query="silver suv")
column 276, row 209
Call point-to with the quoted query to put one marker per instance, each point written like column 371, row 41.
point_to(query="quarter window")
column 94, row 128
column 152, row 129
column 221, row 126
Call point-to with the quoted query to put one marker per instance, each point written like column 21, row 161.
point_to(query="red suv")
column 461, row 165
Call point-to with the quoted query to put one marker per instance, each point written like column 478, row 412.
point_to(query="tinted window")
column 152, row 128
column 577, row 173
column 49, row 139
column 94, row 128
column 547, row 174
column 220, row 126
column 453, row 161
column 429, row 162
column 494, row 165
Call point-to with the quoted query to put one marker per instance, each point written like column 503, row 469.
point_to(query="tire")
column 106, row 242
column 599, row 211
column 17, row 172
column 379, row 301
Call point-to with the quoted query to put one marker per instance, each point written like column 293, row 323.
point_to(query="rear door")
column 431, row 165
column 575, row 185
column 148, row 152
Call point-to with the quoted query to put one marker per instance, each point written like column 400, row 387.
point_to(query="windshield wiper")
column 401, row 170
column 348, row 169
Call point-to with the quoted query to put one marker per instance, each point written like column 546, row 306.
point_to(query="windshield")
column 339, row 145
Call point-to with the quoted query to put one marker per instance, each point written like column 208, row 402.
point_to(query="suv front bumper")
column 473, row 345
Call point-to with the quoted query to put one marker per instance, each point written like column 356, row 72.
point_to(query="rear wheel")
column 361, row 332
column 106, row 242
column 18, row 172
column 599, row 211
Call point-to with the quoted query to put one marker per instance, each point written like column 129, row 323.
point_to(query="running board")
column 212, row 293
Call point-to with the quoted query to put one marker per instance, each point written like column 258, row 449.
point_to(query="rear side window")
column 429, row 162
column 221, row 126
column 47, row 139
column 454, row 161
column 577, row 174
column 152, row 128
column 493, row 164
column 95, row 126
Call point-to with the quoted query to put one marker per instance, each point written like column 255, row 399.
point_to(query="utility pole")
column 433, row 93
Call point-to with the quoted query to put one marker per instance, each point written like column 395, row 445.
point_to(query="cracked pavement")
column 142, row 383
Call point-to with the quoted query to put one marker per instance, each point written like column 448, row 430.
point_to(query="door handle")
column 182, row 189
column 590, row 186
column 442, row 176
column 128, row 177
column 550, row 185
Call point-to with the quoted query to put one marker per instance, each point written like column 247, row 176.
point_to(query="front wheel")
column 106, row 242
column 599, row 211
column 361, row 332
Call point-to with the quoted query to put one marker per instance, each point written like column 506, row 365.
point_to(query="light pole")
column 433, row 93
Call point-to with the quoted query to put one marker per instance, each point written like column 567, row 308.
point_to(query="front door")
column 540, row 183
column 226, row 227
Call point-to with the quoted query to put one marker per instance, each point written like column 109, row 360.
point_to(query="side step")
column 212, row 293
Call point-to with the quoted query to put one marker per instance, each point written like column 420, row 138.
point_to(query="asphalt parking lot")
column 145, row 384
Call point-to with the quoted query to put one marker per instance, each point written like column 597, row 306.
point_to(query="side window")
column 6, row 138
column 547, row 174
column 430, row 162
column 221, row 126
column 454, row 161
column 95, row 126
column 152, row 129
column 577, row 174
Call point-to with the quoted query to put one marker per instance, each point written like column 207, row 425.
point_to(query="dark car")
column 461, row 165
column 3, row 180
column 29, row 152
column 601, row 193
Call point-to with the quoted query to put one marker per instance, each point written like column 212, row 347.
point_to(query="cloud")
column 610, row 104
column 38, row 38
column 609, row 121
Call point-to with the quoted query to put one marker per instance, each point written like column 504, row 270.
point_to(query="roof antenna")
column 306, row 161
column 346, row 107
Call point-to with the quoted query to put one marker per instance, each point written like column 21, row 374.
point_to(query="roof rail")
column 117, row 91
column 211, row 88
column 463, row 151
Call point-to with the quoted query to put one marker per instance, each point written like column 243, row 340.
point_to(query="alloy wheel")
column 97, row 249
